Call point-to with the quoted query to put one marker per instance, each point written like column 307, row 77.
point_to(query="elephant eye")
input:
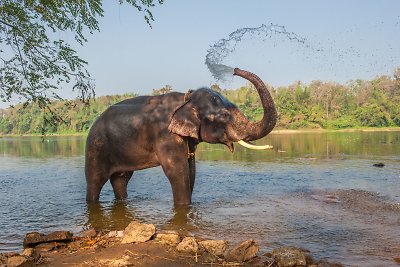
column 224, row 116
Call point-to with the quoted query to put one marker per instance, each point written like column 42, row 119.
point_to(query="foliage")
column 316, row 105
column 166, row 89
column 77, row 116
column 34, row 61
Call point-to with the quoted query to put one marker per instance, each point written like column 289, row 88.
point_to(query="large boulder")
column 168, row 237
column 137, row 232
column 33, row 239
column 243, row 251
column 289, row 256
column 91, row 233
column 188, row 245
column 215, row 247
column 19, row 261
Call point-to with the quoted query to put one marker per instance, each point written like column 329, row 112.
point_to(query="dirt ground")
column 141, row 254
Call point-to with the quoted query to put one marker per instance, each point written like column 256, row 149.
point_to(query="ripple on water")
column 335, row 205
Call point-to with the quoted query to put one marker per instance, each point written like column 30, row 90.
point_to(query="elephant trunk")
column 256, row 130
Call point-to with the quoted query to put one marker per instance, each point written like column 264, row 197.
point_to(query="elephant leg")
column 119, row 182
column 174, row 162
column 95, row 182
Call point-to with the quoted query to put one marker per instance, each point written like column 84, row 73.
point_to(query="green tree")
column 164, row 90
column 34, row 63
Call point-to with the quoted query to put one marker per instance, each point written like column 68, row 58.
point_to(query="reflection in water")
column 120, row 213
column 116, row 217
column 308, row 144
column 185, row 220
column 313, row 190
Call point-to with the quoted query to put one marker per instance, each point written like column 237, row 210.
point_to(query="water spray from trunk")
column 224, row 47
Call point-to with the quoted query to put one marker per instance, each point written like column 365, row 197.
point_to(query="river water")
column 319, row 191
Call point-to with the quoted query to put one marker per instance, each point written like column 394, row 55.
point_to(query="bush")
column 372, row 115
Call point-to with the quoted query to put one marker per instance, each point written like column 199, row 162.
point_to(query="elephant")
column 149, row 131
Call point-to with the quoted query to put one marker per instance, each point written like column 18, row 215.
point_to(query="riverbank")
column 142, row 245
column 275, row 131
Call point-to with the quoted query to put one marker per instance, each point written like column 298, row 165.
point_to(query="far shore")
column 290, row 131
column 276, row 131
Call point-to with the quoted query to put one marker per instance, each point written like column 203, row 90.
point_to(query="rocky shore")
column 142, row 245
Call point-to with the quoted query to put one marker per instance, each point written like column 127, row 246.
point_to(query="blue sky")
column 359, row 38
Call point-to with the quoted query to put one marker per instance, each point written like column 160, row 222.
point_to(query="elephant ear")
column 185, row 121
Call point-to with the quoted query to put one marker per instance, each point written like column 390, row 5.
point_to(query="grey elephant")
column 149, row 131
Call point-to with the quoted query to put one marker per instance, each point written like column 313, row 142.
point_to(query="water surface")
column 319, row 191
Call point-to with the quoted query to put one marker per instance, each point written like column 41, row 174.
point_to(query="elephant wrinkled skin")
column 149, row 131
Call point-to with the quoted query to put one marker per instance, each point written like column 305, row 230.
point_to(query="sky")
column 345, row 40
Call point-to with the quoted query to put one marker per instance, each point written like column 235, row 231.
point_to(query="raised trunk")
column 256, row 130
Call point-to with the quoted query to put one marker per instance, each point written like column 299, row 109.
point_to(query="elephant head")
column 208, row 116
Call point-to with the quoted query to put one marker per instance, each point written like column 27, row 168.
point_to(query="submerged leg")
column 119, row 182
column 94, row 182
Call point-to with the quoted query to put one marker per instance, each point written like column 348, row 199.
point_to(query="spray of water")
column 224, row 47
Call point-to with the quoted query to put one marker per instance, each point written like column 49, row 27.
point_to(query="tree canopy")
column 34, row 63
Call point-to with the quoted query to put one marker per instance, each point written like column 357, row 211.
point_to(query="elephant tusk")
column 251, row 146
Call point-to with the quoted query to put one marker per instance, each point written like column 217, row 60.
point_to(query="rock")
column 243, row 252
column 379, row 165
column 137, row 232
column 289, row 256
column 118, row 234
column 91, row 233
column 35, row 238
column 168, row 237
column 216, row 247
column 32, row 253
column 188, row 245
column 207, row 257
column 15, row 261
column 120, row 262
column 45, row 247
column 75, row 245
column 397, row 259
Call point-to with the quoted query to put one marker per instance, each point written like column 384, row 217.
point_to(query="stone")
column 243, row 251
column 216, row 247
column 91, row 233
column 289, row 256
column 123, row 261
column 188, row 245
column 32, row 253
column 45, row 247
column 379, row 165
column 75, row 245
column 207, row 257
column 15, row 261
column 118, row 234
column 35, row 238
column 137, row 232
column 168, row 237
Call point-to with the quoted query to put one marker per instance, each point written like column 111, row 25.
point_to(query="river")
column 316, row 190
